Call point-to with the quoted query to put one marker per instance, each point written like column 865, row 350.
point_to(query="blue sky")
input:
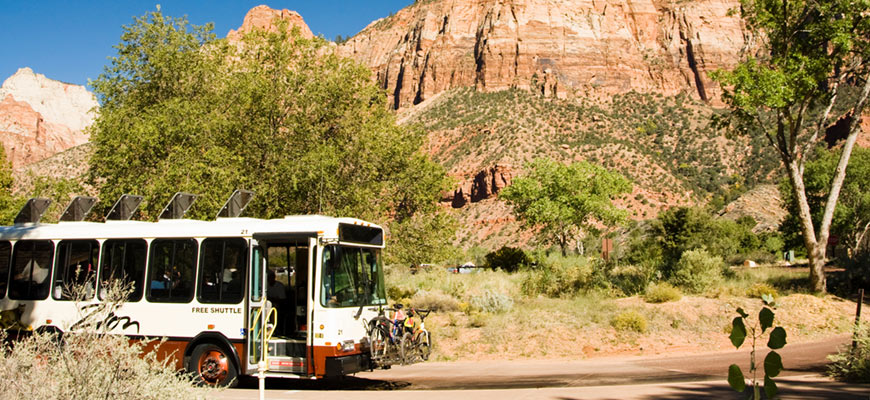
column 70, row 40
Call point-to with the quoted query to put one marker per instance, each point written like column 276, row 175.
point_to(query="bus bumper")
column 337, row 366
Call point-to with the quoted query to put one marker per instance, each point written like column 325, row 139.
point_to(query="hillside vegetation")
column 670, row 146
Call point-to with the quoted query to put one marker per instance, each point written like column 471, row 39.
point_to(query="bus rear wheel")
column 213, row 365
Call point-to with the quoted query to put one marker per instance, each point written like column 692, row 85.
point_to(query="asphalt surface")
column 670, row 377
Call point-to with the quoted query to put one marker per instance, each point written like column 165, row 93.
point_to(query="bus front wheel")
column 213, row 365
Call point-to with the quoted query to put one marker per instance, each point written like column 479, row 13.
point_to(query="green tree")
column 565, row 201
column 275, row 113
column 508, row 259
column 681, row 229
column 851, row 219
column 423, row 238
column 809, row 67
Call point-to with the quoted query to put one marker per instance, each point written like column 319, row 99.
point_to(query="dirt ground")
column 554, row 328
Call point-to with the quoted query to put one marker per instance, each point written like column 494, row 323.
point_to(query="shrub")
column 397, row 293
column 662, row 293
column 697, row 271
column 629, row 320
column 435, row 300
column 629, row 279
column 91, row 364
column 492, row 302
column 760, row 289
column 557, row 276
column 853, row 365
column 509, row 259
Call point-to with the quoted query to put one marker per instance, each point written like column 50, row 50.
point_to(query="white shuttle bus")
column 210, row 287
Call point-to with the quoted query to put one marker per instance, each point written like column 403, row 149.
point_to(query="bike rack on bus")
column 32, row 211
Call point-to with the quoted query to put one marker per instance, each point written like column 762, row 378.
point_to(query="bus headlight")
column 346, row 345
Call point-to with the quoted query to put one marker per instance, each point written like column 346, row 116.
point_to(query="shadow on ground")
column 789, row 389
column 340, row 383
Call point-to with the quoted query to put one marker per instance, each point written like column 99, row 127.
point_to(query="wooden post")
column 857, row 318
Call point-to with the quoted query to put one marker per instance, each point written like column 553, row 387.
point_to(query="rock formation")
column 263, row 17
column 574, row 47
column 484, row 185
column 40, row 117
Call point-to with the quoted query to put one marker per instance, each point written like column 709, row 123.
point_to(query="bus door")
column 257, row 313
column 309, row 300
column 285, row 303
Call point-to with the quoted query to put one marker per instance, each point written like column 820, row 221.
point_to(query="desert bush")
column 853, row 365
column 557, row 276
column 88, row 363
column 629, row 320
column 89, row 366
column 508, row 259
column 662, row 293
column 760, row 289
column 492, row 302
column 697, row 271
column 397, row 293
column 434, row 300
column 629, row 279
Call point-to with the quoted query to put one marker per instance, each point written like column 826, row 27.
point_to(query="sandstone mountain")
column 40, row 117
column 585, row 48
column 263, row 17
column 495, row 83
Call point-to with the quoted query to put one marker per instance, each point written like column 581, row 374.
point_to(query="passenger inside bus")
column 301, row 299
column 276, row 292
column 287, row 287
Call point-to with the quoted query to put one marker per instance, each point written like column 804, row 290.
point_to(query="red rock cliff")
column 571, row 47
column 264, row 17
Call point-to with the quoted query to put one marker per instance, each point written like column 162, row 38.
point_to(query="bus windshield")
column 351, row 276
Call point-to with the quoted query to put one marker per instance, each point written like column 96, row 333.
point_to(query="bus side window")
column 74, row 270
column 171, row 270
column 5, row 255
column 31, row 264
column 222, row 270
column 123, row 261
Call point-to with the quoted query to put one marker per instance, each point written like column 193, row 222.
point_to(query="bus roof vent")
column 236, row 204
column 124, row 208
column 78, row 208
column 178, row 206
column 32, row 211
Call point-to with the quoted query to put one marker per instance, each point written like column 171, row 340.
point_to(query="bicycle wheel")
column 407, row 348
column 380, row 343
column 425, row 345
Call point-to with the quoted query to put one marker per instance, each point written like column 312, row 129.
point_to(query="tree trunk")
column 817, row 274
column 815, row 249
column 817, row 265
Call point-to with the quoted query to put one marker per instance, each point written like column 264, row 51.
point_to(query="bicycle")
column 383, row 345
column 416, row 343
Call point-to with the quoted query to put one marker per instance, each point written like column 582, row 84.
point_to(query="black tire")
column 213, row 365
column 379, row 341
column 425, row 345
column 408, row 348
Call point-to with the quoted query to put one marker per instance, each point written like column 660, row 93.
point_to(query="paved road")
column 676, row 377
